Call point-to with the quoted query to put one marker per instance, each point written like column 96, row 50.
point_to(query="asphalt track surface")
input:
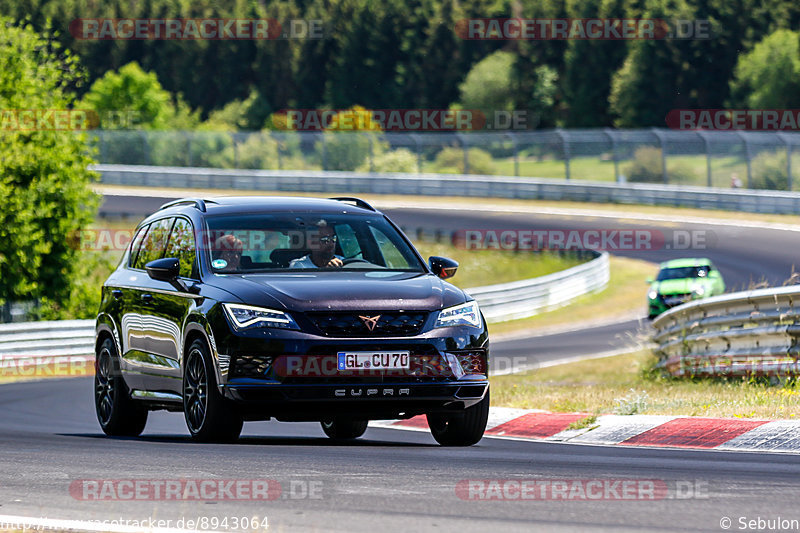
column 395, row 480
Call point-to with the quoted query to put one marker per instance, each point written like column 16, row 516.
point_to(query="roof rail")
column 199, row 203
column 358, row 201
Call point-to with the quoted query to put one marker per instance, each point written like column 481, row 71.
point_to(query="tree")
column 768, row 77
column 44, row 179
column 588, row 68
column 489, row 85
column 131, row 90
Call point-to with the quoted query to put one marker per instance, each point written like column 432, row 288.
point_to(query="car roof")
column 686, row 262
column 232, row 205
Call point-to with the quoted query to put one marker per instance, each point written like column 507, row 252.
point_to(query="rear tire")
column 118, row 414
column 461, row 429
column 344, row 428
column 209, row 416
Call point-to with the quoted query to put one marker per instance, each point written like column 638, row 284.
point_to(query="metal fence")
column 754, row 160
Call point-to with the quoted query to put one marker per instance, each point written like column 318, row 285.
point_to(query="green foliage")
column 588, row 68
column 400, row 160
column 350, row 140
column 92, row 268
column 768, row 77
column 451, row 160
column 646, row 167
column 769, row 171
column 133, row 90
column 44, row 181
column 488, row 85
column 249, row 114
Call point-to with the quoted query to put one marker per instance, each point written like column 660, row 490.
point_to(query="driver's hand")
column 334, row 263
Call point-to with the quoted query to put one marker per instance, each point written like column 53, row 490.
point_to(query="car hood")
column 679, row 286
column 324, row 291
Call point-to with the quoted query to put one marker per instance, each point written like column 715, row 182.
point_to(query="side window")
column 181, row 245
column 153, row 244
column 137, row 241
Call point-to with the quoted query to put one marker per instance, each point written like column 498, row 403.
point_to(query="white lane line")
column 27, row 523
column 517, row 369
column 569, row 328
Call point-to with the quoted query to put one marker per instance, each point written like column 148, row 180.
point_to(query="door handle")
column 117, row 294
column 147, row 298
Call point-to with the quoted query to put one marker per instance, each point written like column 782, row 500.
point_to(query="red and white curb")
column 731, row 434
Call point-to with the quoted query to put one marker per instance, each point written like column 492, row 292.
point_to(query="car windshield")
column 683, row 272
column 293, row 242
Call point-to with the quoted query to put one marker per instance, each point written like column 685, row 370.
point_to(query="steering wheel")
column 349, row 260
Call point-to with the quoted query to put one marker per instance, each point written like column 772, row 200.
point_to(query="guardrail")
column 521, row 299
column 469, row 185
column 745, row 333
column 26, row 347
column 28, row 343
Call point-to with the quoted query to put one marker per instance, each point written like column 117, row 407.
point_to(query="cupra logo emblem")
column 370, row 321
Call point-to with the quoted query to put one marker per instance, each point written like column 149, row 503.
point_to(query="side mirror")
column 649, row 281
column 443, row 267
column 166, row 269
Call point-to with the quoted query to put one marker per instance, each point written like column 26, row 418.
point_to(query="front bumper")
column 292, row 375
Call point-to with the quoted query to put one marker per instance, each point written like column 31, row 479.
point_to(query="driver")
column 322, row 250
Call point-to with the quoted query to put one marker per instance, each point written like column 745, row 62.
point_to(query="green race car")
column 680, row 281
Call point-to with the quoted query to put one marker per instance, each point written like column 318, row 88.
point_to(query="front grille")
column 350, row 324
column 250, row 366
column 671, row 300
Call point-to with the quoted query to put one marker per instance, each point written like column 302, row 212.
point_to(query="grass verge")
column 488, row 267
column 627, row 384
column 624, row 295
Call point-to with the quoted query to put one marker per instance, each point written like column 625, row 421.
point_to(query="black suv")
column 298, row 309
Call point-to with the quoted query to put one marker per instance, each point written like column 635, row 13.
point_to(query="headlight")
column 698, row 290
column 652, row 294
column 460, row 315
column 247, row 316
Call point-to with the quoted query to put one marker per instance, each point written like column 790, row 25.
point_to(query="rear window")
column 290, row 242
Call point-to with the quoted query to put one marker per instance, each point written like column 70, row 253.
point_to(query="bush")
column 45, row 182
column 92, row 269
column 769, row 171
column 646, row 167
column 258, row 151
column 451, row 160
column 348, row 150
column 400, row 160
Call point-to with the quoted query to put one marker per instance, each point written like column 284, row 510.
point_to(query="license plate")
column 373, row 360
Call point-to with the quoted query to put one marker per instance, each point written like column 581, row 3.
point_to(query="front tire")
column 209, row 416
column 118, row 414
column 344, row 428
column 461, row 429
